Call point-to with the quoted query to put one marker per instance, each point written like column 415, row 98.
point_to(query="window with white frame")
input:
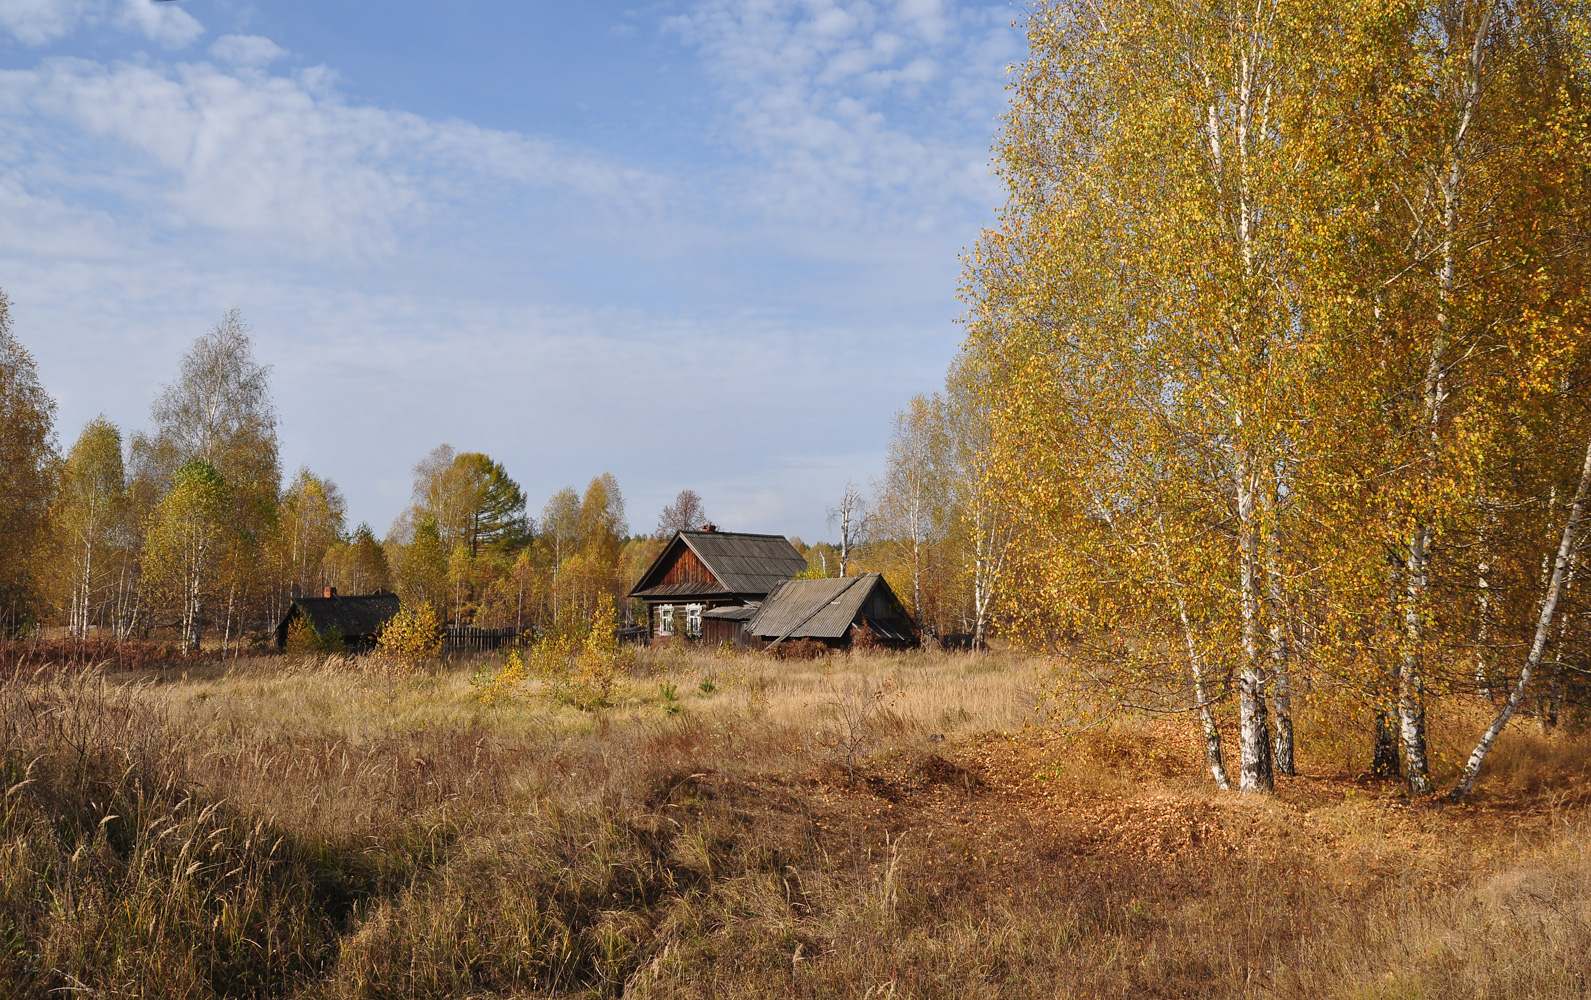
column 693, row 620
column 665, row 619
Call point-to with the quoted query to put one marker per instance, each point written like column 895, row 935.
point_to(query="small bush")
column 502, row 684
column 801, row 649
column 586, row 673
column 580, row 662
column 304, row 639
column 411, row 636
column 670, row 695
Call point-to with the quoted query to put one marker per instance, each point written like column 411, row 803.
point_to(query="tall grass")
column 884, row 825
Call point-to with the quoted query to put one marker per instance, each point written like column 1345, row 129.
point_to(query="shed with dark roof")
column 358, row 619
column 835, row 611
column 700, row 573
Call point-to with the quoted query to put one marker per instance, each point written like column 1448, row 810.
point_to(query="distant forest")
column 191, row 531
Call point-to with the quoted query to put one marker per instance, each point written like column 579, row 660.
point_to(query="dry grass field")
column 866, row 826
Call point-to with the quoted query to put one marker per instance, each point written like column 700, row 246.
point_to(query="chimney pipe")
column 330, row 592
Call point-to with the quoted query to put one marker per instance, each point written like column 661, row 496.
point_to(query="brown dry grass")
column 873, row 826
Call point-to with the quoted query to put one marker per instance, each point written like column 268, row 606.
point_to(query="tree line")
column 1283, row 336
column 189, row 528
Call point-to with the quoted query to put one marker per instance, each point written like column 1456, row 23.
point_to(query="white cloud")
column 39, row 22
column 246, row 50
column 860, row 111
column 926, row 17
column 164, row 24
column 284, row 158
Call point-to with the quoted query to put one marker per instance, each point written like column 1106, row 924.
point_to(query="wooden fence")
column 468, row 638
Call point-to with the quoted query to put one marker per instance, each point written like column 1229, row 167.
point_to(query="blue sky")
column 698, row 244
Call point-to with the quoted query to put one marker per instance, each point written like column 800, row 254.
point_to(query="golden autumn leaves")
column 1283, row 322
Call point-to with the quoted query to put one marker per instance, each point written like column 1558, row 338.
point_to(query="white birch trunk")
column 1255, row 774
column 991, row 544
column 1538, row 645
column 917, row 573
column 1281, row 650
column 1411, row 678
column 193, row 610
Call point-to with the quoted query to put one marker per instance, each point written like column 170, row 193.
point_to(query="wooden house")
column 358, row 619
column 705, row 584
column 834, row 611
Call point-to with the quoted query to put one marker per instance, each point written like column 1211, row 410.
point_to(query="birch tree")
column 27, row 416
column 1568, row 547
column 184, row 536
column 359, row 565
column 1279, row 317
column 560, row 534
column 219, row 409
column 909, row 513
column 86, row 517
column 981, row 516
column 309, row 523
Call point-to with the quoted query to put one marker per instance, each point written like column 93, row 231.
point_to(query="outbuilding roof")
column 732, row 612
column 826, row 609
column 744, row 564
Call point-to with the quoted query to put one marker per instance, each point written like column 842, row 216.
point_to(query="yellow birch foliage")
column 1257, row 315
column 411, row 636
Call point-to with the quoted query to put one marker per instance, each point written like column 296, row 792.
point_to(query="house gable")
column 677, row 573
column 719, row 564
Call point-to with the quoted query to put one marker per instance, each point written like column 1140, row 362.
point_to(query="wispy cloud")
column 39, row 22
column 246, row 50
column 858, row 111
column 280, row 158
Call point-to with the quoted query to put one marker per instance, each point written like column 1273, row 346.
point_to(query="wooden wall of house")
column 717, row 631
column 687, row 568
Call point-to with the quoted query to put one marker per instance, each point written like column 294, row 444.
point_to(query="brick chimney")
column 709, row 526
column 330, row 592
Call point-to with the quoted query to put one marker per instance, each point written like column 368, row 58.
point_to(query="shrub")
column 496, row 687
column 584, row 667
column 411, row 636
column 801, row 649
column 303, row 639
column 580, row 662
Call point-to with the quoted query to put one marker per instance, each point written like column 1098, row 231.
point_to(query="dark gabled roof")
column 742, row 563
column 822, row 609
column 354, row 617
